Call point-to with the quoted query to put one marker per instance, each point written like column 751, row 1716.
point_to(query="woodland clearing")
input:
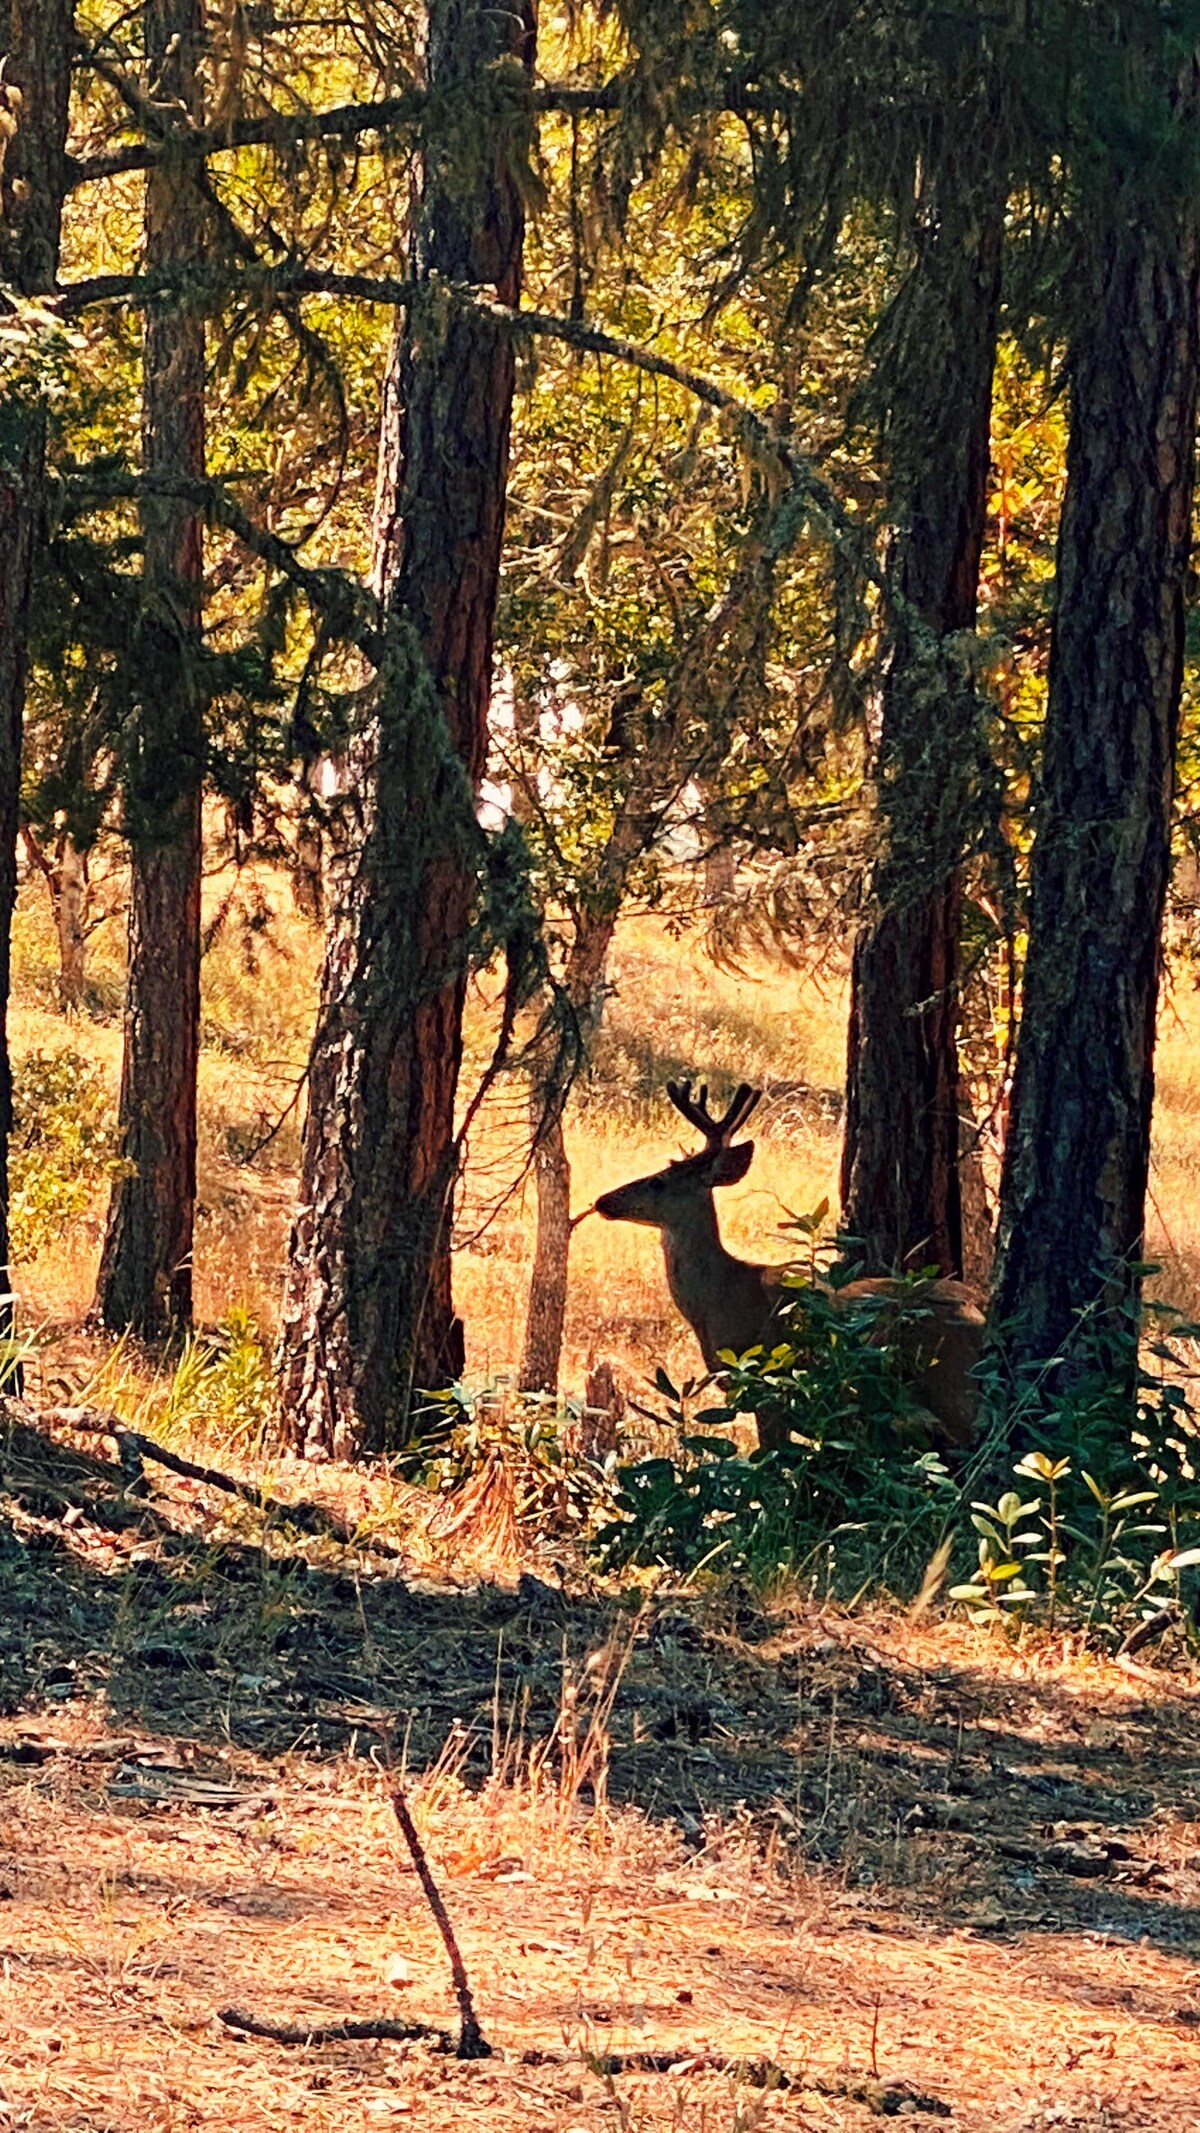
column 917, row 1867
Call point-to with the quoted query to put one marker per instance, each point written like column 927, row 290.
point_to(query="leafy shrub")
column 1105, row 1526
column 1104, row 1532
column 63, row 1148
column 852, row 1485
column 556, row 1487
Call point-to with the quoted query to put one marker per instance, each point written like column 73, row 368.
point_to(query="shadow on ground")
column 948, row 1794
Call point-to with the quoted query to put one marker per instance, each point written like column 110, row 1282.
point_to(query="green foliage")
column 558, row 1488
column 846, row 1488
column 1112, row 1518
column 1103, row 1535
column 223, row 1387
column 63, row 1148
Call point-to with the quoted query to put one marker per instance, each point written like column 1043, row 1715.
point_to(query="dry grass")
column 671, row 1011
column 696, row 1828
column 259, row 989
column 1003, row 1995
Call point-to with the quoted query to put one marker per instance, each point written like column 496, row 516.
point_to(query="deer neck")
column 699, row 1269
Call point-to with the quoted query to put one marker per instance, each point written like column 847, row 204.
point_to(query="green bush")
column 851, row 1486
column 64, row 1145
column 1103, row 1534
column 1106, row 1524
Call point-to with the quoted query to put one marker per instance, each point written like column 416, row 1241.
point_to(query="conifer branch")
column 348, row 606
column 809, row 492
column 284, row 130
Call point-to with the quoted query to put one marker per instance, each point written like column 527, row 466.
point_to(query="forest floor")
column 684, row 1838
column 920, row 1871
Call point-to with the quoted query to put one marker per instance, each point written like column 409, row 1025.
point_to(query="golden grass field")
column 671, row 1010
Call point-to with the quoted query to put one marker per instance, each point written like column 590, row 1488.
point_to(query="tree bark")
column 368, row 1318
column 66, row 879
column 35, row 41
column 547, row 1311
column 900, row 1184
column 146, row 1269
column 1076, row 1163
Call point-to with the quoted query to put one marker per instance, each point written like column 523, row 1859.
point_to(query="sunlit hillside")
column 671, row 1012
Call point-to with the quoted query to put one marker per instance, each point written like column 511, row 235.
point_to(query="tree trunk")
column 70, row 920
column 146, row 1269
column 368, row 1317
column 654, row 766
column 35, row 40
column 547, row 1311
column 900, row 1187
column 1074, row 1178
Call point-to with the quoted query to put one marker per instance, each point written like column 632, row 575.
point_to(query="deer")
column 732, row 1305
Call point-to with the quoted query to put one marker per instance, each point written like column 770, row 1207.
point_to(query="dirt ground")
column 712, row 1864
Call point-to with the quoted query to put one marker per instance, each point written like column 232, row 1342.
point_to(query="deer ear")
column 733, row 1163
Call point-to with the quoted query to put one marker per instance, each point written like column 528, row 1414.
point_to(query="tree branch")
column 348, row 605
column 282, row 130
column 809, row 491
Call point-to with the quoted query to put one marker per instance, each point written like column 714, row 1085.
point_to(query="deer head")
column 671, row 1196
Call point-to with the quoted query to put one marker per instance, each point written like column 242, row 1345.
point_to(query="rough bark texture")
column 146, row 1269
column 368, row 1319
column 1074, row 1181
column 35, row 40
column 900, row 1186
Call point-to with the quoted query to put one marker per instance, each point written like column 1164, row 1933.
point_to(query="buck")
column 732, row 1305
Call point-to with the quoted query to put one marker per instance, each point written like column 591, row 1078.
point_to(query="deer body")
column 718, row 1295
column 730, row 1303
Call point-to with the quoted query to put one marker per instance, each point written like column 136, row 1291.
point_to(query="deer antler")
column 718, row 1132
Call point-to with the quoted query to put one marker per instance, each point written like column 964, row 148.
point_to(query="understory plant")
column 1104, row 1525
column 63, row 1148
column 856, row 1491
column 561, row 1476
column 1102, row 1532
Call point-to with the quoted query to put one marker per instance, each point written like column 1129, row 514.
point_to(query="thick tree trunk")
column 35, row 41
column 368, row 1318
column 146, row 1269
column 900, row 1186
column 1074, row 1181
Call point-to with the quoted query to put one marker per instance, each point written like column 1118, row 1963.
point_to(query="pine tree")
column 36, row 38
column 368, row 1316
column 900, row 1184
column 1074, row 1183
column 146, row 1270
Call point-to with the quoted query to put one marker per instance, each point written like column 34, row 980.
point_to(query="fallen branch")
column 472, row 2044
column 133, row 1448
column 332, row 2032
column 1146, row 1632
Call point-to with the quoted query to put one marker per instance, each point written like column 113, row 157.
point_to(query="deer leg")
column 774, row 1429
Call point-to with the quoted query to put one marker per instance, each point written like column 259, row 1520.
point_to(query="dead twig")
column 332, row 2032
column 133, row 1448
column 472, row 2044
